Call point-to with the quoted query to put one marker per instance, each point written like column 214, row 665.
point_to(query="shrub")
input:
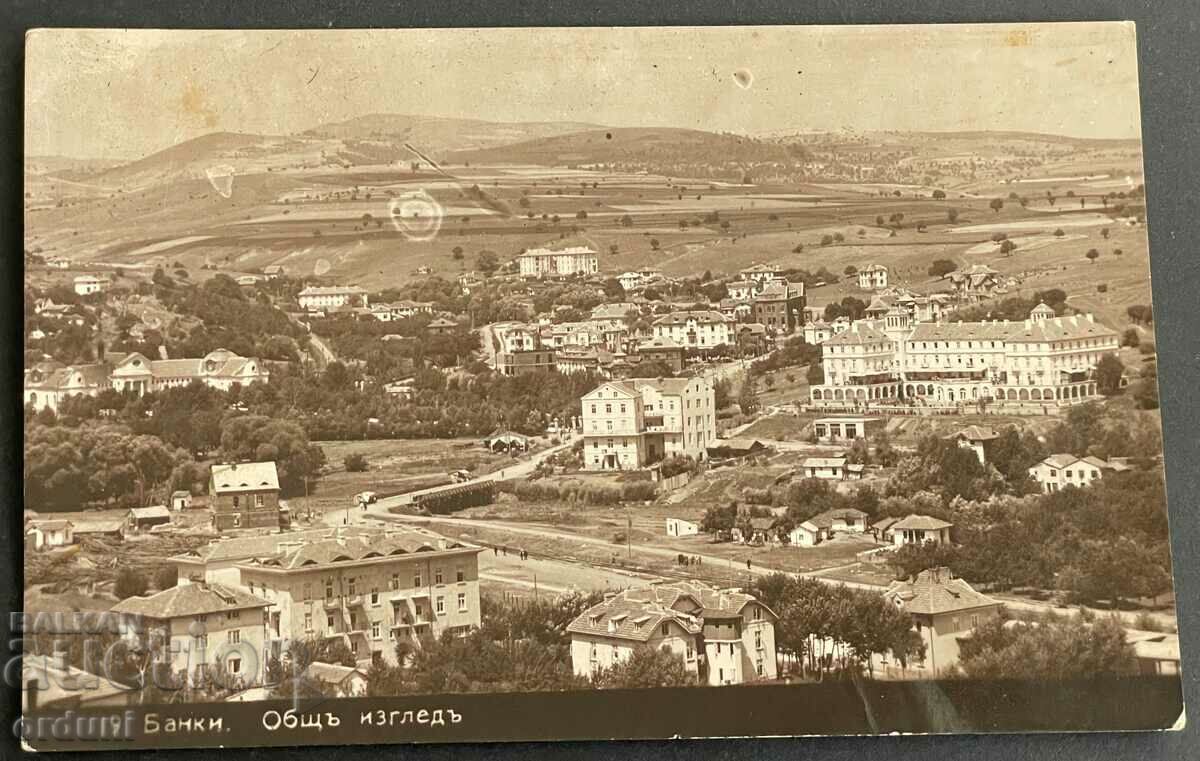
column 1147, row 347
column 355, row 463
column 166, row 577
column 129, row 583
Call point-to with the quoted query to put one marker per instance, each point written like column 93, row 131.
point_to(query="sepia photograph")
column 436, row 385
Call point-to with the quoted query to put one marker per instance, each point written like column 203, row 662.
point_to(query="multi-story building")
column 1040, row 362
column 722, row 636
column 873, row 277
column 217, row 562
column 369, row 589
column 521, row 350
column 320, row 298
column 47, row 384
column 818, row 331
column 200, row 627
column 400, row 310
column 780, row 306
column 696, row 330
column 244, row 495
column 762, row 273
column 1061, row 470
column 561, row 263
column 631, row 423
column 662, row 350
column 944, row 609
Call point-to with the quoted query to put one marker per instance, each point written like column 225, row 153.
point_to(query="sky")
column 128, row 93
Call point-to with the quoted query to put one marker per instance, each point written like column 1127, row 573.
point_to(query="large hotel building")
column 1042, row 361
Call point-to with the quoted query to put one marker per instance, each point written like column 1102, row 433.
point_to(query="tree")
column 718, row 520
column 646, row 667
column 1051, row 651
column 654, row 244
column 850, row 270
column 748, row 396
column 581, row 214
column 487, row 262
column 1092, row 255
column 1108, row 374
column 355, row 463
column 1007, row 247
column 129, row 583
column 1059, row 233
column 952, row 215
column 457, row 253
column 939, row 194
column 166, row 577
column 941, row 267
column 1131, row 338
column 626, row 221
column 996, row 205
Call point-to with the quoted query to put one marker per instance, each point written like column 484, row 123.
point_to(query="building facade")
column 944, row 609
column 722, row 636
column 697, row 330
column 244, row 495
column 561, row 263
column 873, row 277
column 320, row 298
column 1059, row 471
column 371, row 590
column 780, row 306
column 629, row 424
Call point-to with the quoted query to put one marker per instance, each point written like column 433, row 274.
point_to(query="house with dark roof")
column 944, row 609
column 722, row 636
column 146, row 518
column 203, row 628
column 977, row 438
column 244, row 495
column 368, row 589
column 1059, row 471
column 779, row 306
column 824, row 525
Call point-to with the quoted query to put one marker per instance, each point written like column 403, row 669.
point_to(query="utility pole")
column 536, row 596
column 629, row 536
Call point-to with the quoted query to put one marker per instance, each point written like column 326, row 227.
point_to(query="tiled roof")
column 261, row 545
column 661, row 343
column 190, row 600
column 154, row 511
column 858, row 333
column 823, row 462
column 681, row 318
column 936, row 591
column 885, row 524
column 975, row 433
column 359, row 547
column 920, row 523
column 635, row 614
column 1025, row 331
column 662, row 385
column 333, row 673
column 331, row 290
column 244, row 476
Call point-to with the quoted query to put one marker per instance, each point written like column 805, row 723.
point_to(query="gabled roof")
column 859, row 332
column 975, row 433
column 885, row 524
column 361, row 546
column 682, row 318
column 660, row 343
column 146, row 513
column 190, row 600
column 332, row 673
column 332, row 290
column 823, row 462
column 245, row 476
column 936, row 591
column 686, row 603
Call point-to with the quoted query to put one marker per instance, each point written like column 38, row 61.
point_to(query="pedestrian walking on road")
column 747, row 564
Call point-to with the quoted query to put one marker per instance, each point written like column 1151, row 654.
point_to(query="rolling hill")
column 438, row 135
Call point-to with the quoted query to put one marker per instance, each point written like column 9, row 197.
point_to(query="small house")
column 345, row 681
column 48, row 535
column 146, row 518
column 181, row 500
column 829, row 468
column 1061, row 470
column 681, row 527
column 507, row 441
column 846, row 428
column 919, row 529
column 110, row 530
column 977, row 438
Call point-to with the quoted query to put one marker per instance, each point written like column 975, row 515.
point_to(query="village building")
column 322, row 298
column 736, row 449
column 50, row 682
column 274, row 270
column 752, row 339
column 369, row 589
column 762, row 273
column 873, row 277
column 742, row 290
column 562, row 263
column 217, row 562
column 944, row 609
column 343, row 681
column 847, row 428
column 441, row 326
column 918, row 530
column 830, row 468
column 722, row 636
column 507, row 441
column 614, row 311
column 203, row 627
column 779, row 306
column 824, row 525
column 681, row 527
column 977, row 282
column 51, row 534
column 248, row 280
column 181, row 500
column 1059, row 471
column 818, row 331
column 756, row 530
column 663, row 350
column 140, row 519
column 85, row 285
column 629, row 424
column 977, row 438
column 112, row 530
column 400, row 310
column 48, row 383
column 244, row 495
column 696, row 330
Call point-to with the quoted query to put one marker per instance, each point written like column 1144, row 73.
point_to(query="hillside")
column 632, row 146
column 438, row 135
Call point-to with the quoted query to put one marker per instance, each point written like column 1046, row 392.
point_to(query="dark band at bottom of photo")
column 831, row 708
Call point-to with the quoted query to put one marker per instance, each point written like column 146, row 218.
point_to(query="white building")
column 1036, row 363
column 220, row 369
column 722, row 636
column 697, row 330
column 1061, row 470
column 629, row 424
column 561, row 263
column 319, row 298
column 88, row 284
column 873, row 277
column 681, row 527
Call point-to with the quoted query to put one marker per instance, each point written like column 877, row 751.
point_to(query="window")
column 758, row 640
column 395, row 581
column 375, row 633
column 258, row 500
column 691, row 651
column 234, row 665
column 328, row 589
column 308, row 622
column 329, row 623
column 417, row 579
column 233, row 615
column 437, row 576
column 375, row 595
column 757, row 615
column 234, row 636
column 759, row 666
column 666, row 629
column 441, row 606
column 462, row 601
column 460, row 574
column 237, row 520
column 350, row 586
column 236, row 501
